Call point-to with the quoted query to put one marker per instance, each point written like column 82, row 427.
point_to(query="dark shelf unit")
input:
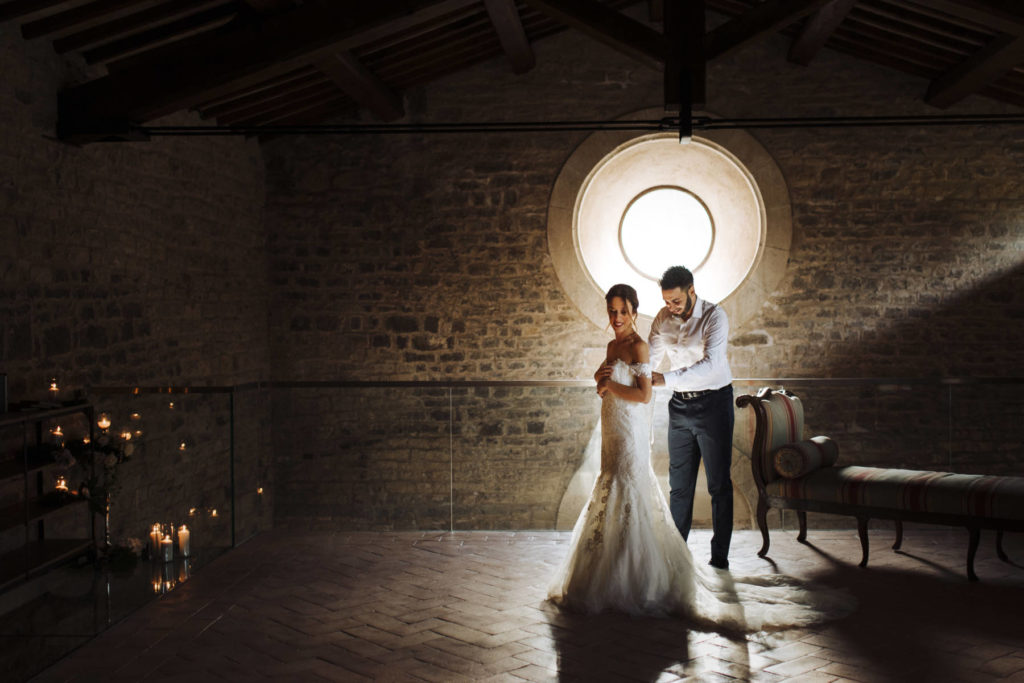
column 38, row 554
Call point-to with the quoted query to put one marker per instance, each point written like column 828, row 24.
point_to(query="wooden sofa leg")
column 999, row 547
column 972, row 548
column 801, row 515
column 862, row 531
column 899, row 535
column 762, row 523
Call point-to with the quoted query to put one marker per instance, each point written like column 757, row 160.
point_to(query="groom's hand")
column 657, row 379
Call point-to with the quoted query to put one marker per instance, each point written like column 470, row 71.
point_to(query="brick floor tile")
column 303, row 605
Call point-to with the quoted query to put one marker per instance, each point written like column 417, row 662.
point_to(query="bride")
column 626, row 553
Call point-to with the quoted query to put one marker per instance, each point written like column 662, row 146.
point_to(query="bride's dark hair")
column 624, row 292
column 627, row 294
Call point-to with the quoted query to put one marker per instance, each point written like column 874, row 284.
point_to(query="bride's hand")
column 603, row 372
column 603, row 386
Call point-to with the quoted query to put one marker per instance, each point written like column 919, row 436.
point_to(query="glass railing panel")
column 366, row 458
column 518, row 452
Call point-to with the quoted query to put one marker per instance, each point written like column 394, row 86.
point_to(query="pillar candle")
column 184, row 538
column 167, row 544
column 154, row 542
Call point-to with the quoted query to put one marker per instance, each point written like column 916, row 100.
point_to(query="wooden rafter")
column 82, row 15
column 22, row 8
column 767, row 17
column 166, row 33
column 356, row 81
column 507, row 24
column 685, row 75
column 138, row 21
column 819, row 27
column 1005, row 16
column 1003, row 53
column 245, row 56
column 608, row 26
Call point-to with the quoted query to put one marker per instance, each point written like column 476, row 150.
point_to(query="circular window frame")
column 749, row 155
column 649, row 190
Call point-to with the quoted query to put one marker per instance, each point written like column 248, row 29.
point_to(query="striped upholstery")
column 796, row 459
column 915, row 490
column 785, row 425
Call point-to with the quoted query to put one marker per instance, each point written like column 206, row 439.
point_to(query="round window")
column 649, row 203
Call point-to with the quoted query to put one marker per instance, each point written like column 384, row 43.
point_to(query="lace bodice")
column 635, row 369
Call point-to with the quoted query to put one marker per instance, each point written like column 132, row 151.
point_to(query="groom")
column 694, row 334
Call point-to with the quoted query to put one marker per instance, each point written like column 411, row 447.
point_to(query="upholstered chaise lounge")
column 797, row 474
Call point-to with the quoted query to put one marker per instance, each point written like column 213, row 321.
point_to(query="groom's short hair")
column 676, row 276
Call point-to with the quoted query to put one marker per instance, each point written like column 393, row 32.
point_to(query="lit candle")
column 213, row 512
column 127, row 436
column 135, row 417
column 103, row 422
column 54, row 389
column 181, row 446
column 154, row 542
column 167, row 548
column 184, row 537
column 62, row 484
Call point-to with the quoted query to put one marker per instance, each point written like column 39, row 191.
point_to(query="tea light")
column 181, row 446
column 167, row 548
column 213, row 512
column 103, row 422
column 135, row 417
column 57, row 433
column 62, row 484
column 54, row 389
column 127, row 436
column 184, row 538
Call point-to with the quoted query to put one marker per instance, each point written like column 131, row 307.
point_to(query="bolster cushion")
column 796, row 459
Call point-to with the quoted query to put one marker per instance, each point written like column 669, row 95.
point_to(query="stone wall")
column 135, row 264
column 425, row 258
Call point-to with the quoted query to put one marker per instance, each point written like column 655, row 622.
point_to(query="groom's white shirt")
column 696, row 348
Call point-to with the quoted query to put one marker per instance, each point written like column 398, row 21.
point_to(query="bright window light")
column 663, row 227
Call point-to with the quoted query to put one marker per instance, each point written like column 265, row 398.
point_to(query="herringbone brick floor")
column 468, row 606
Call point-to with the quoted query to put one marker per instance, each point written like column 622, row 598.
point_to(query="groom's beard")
column 687, row 311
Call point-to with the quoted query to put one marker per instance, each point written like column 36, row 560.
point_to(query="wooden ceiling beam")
column 609, row 26
column 1005, row 16
column 767, row 17
column 509, row 27
column 22, row 8
column 263, row 95
column 359, row 83
column 270, row 84
column 174, row 79
column 817, row 30
column 986, row 65
column 146, row 19
column 278, row 103
column 170, row 32
column 685, row 84
column 81, row 16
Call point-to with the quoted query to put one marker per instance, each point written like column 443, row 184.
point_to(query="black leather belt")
column 688, row 395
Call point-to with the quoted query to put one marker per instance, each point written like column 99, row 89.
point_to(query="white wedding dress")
column 627, row 555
